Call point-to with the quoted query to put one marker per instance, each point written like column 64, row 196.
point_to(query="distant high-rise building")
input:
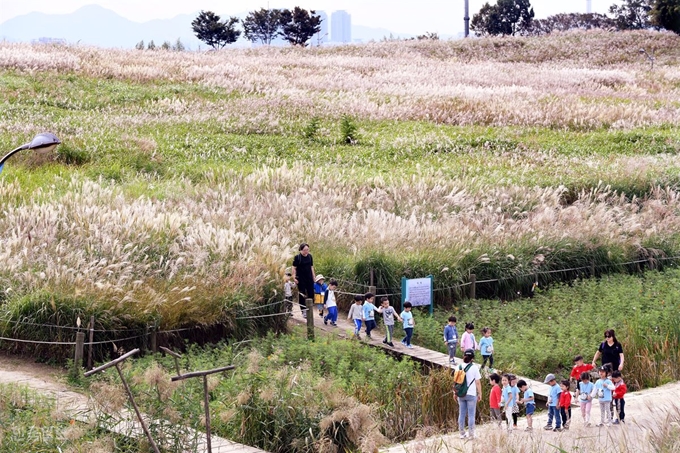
column 341, row 27
column 589, row 6
column 323, row 35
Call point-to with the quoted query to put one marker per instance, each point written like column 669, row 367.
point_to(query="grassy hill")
column 186, row 180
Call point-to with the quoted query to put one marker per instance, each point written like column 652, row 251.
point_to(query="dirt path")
column 49, row 381
column 652, row 425
column 45, row 379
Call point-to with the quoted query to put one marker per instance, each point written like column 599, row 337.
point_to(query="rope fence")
column 244, row 312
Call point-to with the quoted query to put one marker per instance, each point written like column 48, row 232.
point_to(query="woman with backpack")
column 467, row 393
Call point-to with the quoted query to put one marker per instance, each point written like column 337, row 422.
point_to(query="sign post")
column 418, row 291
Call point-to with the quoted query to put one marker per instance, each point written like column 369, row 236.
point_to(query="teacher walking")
column 467, row 405
column 611, row 352
column 304, row 276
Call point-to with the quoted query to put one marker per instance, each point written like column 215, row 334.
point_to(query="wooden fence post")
column 371, row 279
column 154, row 340
column 473, row 286
column 90, row 352
column 592, row 269
column 310, row 319
column 372, row 289
column 78, row 359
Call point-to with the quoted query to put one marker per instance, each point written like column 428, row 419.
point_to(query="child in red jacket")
column 620, row 389
column 579, row 367
column 495, row 398
column 565, row 404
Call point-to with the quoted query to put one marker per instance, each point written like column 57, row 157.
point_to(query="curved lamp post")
column 44, row 141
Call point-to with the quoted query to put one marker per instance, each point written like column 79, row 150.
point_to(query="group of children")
column 467, row 341
column 324, row 297
column 609, row 390
column 507, row 399
column 363, row 312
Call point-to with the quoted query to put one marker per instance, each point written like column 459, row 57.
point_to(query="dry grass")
column 577, row 80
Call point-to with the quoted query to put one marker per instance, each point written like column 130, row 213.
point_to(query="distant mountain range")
column 98, row 26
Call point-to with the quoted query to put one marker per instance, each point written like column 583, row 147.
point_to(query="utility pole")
column 467, row 18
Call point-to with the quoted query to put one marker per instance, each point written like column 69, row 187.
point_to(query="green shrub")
column 348, row 130
column 311, row 130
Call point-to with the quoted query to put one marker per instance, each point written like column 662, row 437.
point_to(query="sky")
column 402, row 16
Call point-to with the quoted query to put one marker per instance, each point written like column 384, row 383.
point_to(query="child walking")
column 331, row 305
column 319, row 289
column 389, row 314
column 584, row 394
column 553, row 401
column 467, row 341
column 515, row 392
column 486, row 347
column 288, row 293
column 565, row 403
column 603, row 389
column 508, row 400
column 578, row 369
column 451, row 338
column 495, row 398
column 369, row 315
column 356, row 313
column 409, row 323
column 620, row 390
column 529, row 402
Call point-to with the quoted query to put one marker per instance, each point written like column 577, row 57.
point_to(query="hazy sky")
column 402, row 16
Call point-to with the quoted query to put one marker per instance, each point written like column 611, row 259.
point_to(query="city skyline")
column 341, row 26
column 401, row 16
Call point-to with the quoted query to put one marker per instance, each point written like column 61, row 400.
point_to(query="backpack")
column 460, row 385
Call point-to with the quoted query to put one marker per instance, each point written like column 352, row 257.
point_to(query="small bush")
column 348, row 130
column 311, row 130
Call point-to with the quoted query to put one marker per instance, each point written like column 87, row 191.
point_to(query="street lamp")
column 466, row 19
column 46, row 141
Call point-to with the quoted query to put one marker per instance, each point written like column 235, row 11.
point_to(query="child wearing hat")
column 319, row 291
column 553, row 403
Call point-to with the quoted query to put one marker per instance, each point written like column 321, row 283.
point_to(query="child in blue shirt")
column 486, row 347
column 553, row 403
column 409, row 323
column 584, row 395
column 369, row 315
column 529, row 401
column 451, row 337
column 319, row 290
column 603, row 390
column 508, row 399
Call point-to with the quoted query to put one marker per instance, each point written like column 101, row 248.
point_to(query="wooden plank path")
column 427, row 357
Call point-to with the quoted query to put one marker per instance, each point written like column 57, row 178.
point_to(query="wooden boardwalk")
column 427, row 357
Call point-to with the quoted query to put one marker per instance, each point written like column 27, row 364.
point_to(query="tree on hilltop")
column 263, row 25
column 570, row 21
column 632, row 14
column 298, row 26
column 666, row 14
column 211, row 30
column 506, row 17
